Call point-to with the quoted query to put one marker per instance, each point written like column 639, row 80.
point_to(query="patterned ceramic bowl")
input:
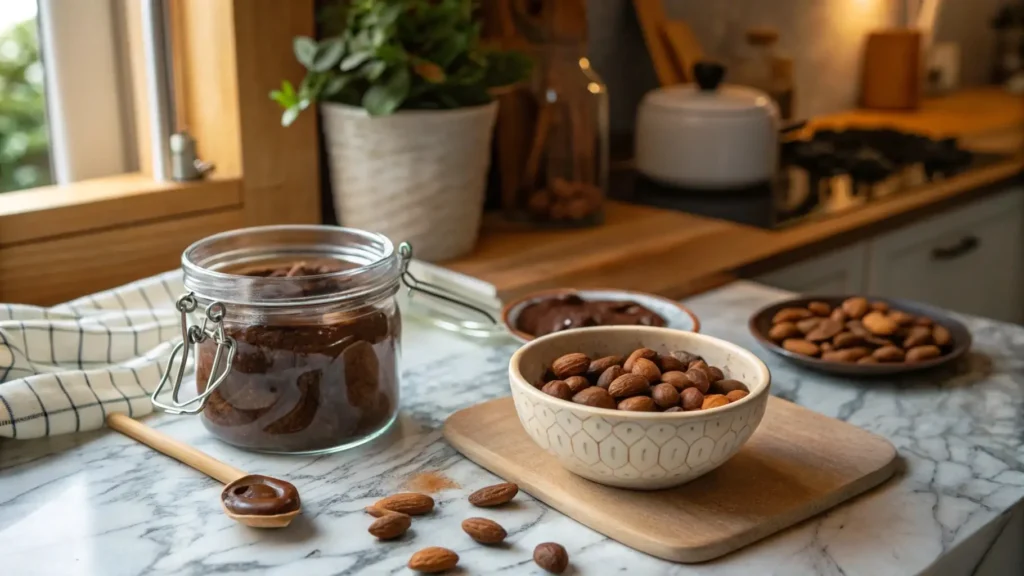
column 638, row 450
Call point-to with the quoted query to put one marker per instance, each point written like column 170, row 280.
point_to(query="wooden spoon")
column 234, row 478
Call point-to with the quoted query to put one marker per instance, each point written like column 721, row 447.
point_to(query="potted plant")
column 405, row 94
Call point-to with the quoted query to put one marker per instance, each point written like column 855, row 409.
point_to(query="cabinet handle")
column 965, row 246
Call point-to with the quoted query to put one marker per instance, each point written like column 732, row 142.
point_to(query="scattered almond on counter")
column 495, row 495
column 483, row 530
column 551, row 557
column 433, row 560
column 411, row 503
column 390, row 525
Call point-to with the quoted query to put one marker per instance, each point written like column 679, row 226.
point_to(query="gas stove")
column 831, row 173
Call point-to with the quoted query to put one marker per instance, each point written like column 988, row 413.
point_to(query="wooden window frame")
column 60, row 242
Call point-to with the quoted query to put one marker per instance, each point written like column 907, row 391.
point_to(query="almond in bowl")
column 631, row 431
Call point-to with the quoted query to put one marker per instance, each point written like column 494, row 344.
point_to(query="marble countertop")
column 100, row 504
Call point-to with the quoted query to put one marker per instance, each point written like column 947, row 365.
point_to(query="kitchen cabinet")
column 838, row 272
column 969, row 260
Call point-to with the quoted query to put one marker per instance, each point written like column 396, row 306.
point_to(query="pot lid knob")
column 708, row 75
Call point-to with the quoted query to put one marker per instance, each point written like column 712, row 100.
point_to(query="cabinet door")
column 969, row 260
column 838, row 272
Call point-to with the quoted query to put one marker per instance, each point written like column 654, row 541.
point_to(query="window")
column 24, row 140
column 80, row 125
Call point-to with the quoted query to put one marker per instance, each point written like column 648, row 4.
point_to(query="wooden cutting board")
column 797, row 464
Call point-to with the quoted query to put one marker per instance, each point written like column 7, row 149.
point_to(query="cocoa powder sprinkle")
column 430, row 483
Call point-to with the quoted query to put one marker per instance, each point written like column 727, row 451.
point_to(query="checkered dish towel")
column 63, row 369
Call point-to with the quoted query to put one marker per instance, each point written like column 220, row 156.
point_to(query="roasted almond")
column 801, row 347
column 411, row 503
column 714, row 374
column 846, row 355
column 637, row 404
column 391, row 525
column 856, row 307
column 551, row 557
column 597, row 367
column 918, row 336
column 677, row 379
column 639, row 353
column 433, row 560
column 665, row 395
column 923, row 321
column 483, row 530
column 901, row 318
column 791, row 315
column 574, row 364
column 839, row 315
column 847, row 339
column 825, row 330
column 728, row 385
column 668, row 363
column 699, row 379
column 714, row 401
column 577, row 383
column 941, row 336
column 691, row 399
column 857, row 327
column 784, row 330
column 888, row 354
column 629, row 385
column 609, row 376
column 820, row 308
column 879, row 306
column 826, row 346
column 879, row 324
column 684, row 356
column 808, row 325
column 594, row 396
column 495, row 495
column 648, row 369
column 867, row 360
column 557, row 388
column 922, row 353
column 737, row 395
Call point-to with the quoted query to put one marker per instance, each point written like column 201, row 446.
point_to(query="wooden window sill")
column 107, row 203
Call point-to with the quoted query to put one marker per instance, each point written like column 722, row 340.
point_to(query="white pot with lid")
column 707, row 135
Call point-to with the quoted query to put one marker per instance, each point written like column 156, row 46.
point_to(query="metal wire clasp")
column 432, row 290
column 212, row 328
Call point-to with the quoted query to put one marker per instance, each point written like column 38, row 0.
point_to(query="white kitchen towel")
column 63, row 369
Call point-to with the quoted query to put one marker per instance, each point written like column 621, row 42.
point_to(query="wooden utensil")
column 651, row 15
column 683, row 47
column 797, row 464
column 228, row 475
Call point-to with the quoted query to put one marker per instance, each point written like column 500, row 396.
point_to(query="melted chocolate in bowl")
column 309, row 383
column 257, row 495
column 571, row 311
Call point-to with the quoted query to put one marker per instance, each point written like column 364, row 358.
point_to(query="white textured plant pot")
column 415, row 176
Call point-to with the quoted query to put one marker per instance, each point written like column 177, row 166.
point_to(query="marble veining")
column 100, row 504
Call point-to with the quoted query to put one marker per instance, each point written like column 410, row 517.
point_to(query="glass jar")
column 303, row 357
column 565, row 178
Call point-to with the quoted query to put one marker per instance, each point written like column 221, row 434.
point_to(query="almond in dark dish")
column 571, row 311
column 301, row 382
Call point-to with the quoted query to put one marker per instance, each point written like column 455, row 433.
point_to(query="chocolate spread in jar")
column 571, row 311
column 306, row 384
column 258, row 495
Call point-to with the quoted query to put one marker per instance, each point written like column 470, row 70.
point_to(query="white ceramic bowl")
column 638, row 450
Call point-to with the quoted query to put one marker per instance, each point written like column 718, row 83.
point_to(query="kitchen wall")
column 825, row 38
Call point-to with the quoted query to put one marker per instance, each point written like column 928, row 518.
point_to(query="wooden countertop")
column 675, row 254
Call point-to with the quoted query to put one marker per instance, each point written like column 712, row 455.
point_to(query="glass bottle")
column 565, row 177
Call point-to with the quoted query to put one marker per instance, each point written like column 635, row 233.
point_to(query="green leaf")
column 335, row 85
column 352, row 61
column 305, row 50
column 373, row 70
column 328, row 55
column 392, row 53
column 384, row 99
column 285, row 96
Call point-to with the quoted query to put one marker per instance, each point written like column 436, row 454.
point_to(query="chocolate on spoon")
column 251, row 499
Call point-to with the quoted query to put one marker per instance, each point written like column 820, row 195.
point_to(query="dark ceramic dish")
column 761, row 323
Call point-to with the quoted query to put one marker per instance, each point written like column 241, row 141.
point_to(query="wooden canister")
column 893, row 70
